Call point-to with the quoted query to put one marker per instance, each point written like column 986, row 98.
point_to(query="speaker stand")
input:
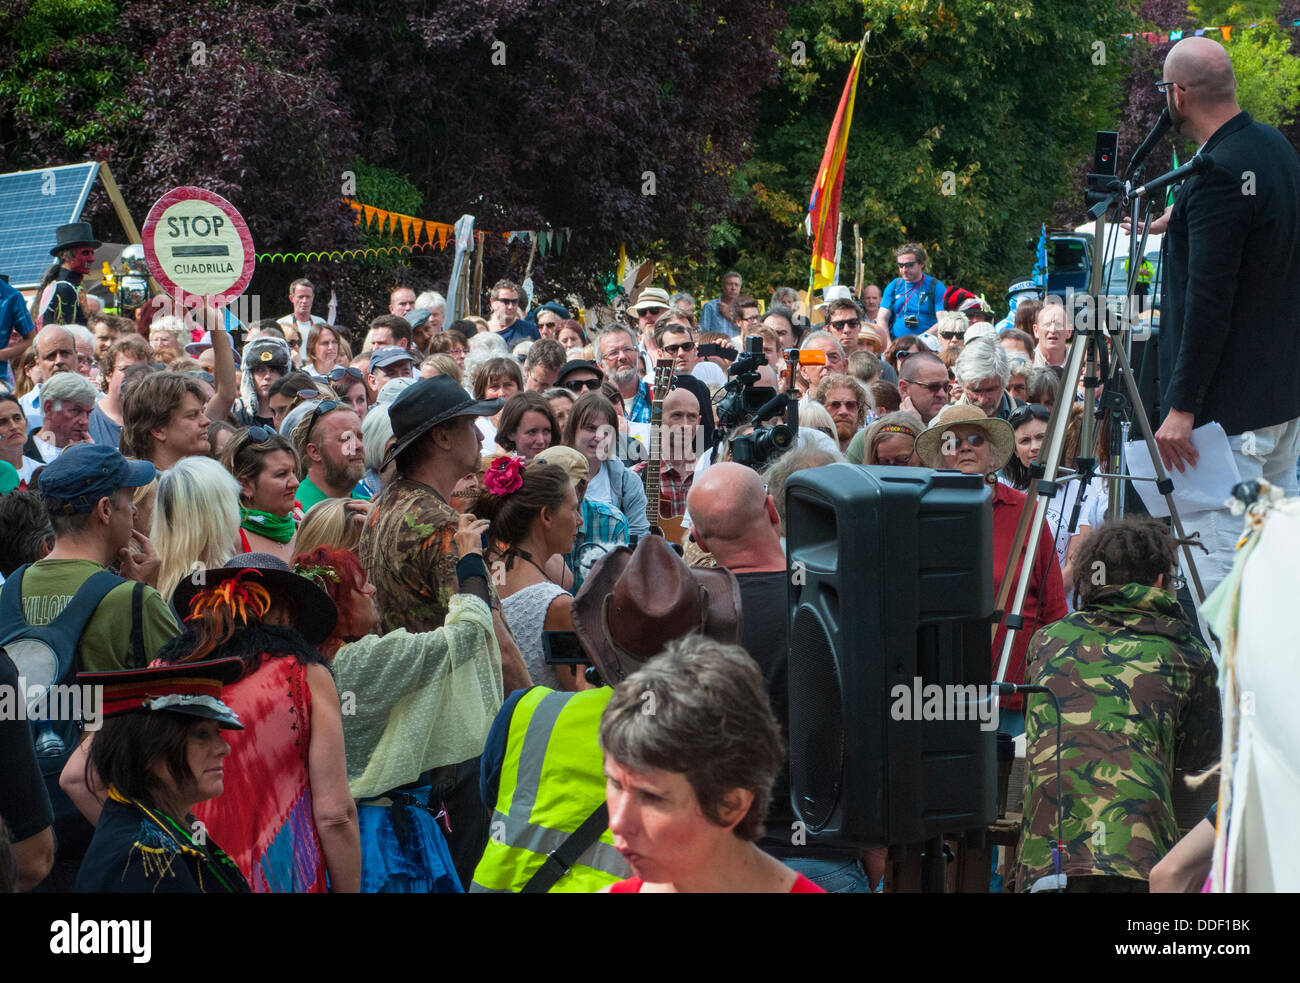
column 934, row 867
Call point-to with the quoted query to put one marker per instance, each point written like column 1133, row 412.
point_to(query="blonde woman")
column 195, row 521
column 334, row 522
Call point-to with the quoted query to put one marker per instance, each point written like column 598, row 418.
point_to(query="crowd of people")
column 397, row 608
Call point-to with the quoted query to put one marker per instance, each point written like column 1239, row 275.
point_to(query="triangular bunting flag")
column 418, row 223
column 542, row 240
column 370, row 214
column 443, row 232
column 1226, row 32
column 557, row 240
column 406, row 228
column 1175, row 35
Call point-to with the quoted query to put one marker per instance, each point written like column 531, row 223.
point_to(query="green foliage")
column 65, row 70
column 994, row 102
column 1212, row 13
column 384, row 188
column 1268, row 76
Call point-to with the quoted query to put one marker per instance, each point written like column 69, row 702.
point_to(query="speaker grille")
column 816, row 720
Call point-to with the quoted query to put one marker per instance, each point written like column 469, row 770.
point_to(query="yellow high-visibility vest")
column 552, row 779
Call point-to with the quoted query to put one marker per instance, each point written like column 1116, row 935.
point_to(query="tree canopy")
column 690, row 132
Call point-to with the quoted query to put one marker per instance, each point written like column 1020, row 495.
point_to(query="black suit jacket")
column 1230, row 323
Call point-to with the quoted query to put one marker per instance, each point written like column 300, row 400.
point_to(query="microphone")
column 1163, row 122
column 1200, row 164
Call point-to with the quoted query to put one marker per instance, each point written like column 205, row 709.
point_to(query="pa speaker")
column 892, row 722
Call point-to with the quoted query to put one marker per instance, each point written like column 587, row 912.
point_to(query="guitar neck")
column 663, row 380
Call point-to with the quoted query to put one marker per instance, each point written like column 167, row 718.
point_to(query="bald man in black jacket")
column 1230, row 323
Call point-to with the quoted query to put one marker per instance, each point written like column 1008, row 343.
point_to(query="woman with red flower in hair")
column 534, row 514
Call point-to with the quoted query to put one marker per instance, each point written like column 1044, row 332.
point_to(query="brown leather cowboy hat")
column 632, row 604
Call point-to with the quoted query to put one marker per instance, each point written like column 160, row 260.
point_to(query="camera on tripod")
column 748, row 402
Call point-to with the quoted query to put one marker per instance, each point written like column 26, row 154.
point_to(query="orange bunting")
column 370, row 214
column 406, row 229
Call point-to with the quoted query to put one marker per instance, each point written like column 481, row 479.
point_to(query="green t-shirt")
column 857, row 449
column 48, row 586
column 309, row 494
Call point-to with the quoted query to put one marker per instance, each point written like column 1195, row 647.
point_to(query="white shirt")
column 32, row 407
column 710, row 374
column 598, row 487
column 289, row 319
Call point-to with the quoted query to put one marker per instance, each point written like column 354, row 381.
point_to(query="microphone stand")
column 1082, row 362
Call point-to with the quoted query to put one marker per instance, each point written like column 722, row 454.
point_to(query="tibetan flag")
column 824, row 206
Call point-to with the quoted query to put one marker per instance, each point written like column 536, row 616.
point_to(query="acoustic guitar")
column 671, row 528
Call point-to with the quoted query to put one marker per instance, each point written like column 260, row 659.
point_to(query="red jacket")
column 1045, row 599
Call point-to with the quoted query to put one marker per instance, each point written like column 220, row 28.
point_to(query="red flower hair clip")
column 504, row 475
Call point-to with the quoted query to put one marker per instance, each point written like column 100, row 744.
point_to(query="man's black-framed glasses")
column 1163, row 87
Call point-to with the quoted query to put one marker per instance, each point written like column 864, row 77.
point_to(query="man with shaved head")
column 1230, row 327
column 734, row 518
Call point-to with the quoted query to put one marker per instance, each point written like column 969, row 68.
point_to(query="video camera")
column 746, row 402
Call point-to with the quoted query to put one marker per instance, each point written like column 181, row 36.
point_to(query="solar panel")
column 33, row 204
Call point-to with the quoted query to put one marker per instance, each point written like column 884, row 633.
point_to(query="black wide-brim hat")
column 75, row 234
column 423, row 406
column 317, row 614
column 191, row 688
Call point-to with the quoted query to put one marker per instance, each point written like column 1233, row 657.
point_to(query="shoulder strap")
column 561, row 860
column 73, row 618
column 137, row 626
column 11, row 601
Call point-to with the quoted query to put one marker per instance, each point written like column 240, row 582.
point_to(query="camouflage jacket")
column 408, row 549
column 1138, row 692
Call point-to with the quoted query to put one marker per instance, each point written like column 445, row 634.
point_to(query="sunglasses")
column 578, row 385
column 323, row 407
column 651, row 311
column 849, row 404
column 258, row 434
column 931, row 387
column 848, row 323
column 508, row 301
column 971, row 439
column 345, row 372
column 905, row 266
column 950, row 335
column 1030, row 411
column 685, row 346
column 308, row 394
